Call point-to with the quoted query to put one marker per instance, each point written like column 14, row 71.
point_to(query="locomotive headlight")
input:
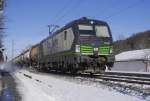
column 111, row 50
column 77, row 48
column 95, row 49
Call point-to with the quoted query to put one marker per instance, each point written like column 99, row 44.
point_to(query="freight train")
column 83, row 45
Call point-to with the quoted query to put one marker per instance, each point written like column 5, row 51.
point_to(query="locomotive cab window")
column 65, row 35
column 102, row 31
column 86, row 30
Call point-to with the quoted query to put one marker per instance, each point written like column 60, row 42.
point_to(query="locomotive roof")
column 83, row 20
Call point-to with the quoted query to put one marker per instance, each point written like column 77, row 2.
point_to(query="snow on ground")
column 132, row 55
column 130, row 66
column 8, row 67
column 132, row 61
column 51, row 88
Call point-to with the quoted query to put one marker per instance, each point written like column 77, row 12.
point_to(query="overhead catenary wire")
column 68, row 11
column 106, row 9
column 124, row 9
column 61, row 10
column 79, row 2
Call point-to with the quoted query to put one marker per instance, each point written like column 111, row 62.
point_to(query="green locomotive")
column 83, row 45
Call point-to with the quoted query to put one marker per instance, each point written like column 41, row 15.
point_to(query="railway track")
column 136, row 78
column 128, row 77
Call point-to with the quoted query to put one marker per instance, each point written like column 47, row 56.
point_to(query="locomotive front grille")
column 86, row 49
column 89, row 50
column 104, row 50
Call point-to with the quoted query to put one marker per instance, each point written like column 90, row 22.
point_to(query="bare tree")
column 1, row 22
column 121, row 37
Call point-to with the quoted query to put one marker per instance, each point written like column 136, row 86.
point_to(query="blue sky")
column 27, row 20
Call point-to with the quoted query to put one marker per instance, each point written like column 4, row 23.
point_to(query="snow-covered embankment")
column 39, row 87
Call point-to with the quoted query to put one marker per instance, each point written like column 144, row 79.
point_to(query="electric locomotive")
column 83, row 45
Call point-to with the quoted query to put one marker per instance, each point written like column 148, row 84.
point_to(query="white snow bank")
column 132, row 55
column 8, row 67
column 51, row 88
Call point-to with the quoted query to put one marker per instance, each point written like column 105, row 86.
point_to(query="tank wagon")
column 34, row 56
column 83, row 45
column 23, row 59
column 18, row 60
column 26, row 58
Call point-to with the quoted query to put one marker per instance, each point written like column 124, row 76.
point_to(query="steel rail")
column 136, row 78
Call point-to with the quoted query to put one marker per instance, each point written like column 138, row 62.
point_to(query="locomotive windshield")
column 99, row 31
column 86, row 30
column 102, row 31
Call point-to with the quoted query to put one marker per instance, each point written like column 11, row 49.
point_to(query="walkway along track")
column 9, row 90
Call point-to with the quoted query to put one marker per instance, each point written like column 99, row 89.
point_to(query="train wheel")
column 73, row 72
column 91, row 73
column 107, row 68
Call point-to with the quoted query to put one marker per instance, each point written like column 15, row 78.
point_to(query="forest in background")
column 137, row 41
